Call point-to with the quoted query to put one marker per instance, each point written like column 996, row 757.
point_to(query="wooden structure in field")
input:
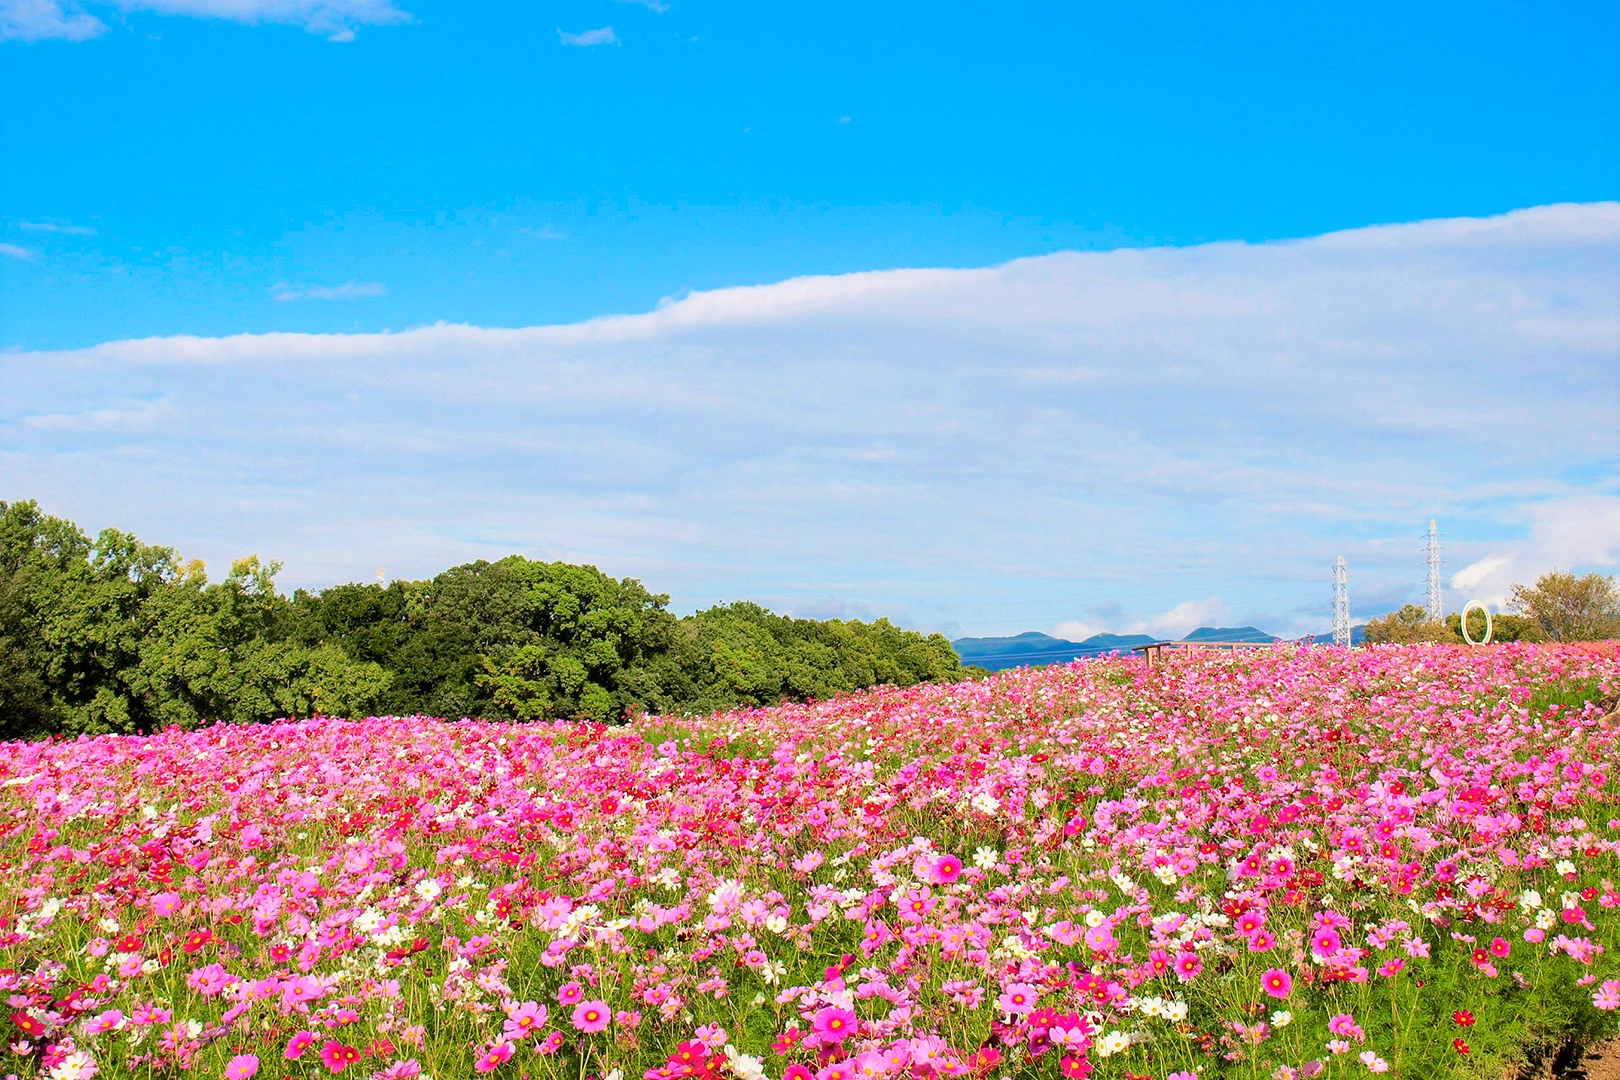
column 1156, row 650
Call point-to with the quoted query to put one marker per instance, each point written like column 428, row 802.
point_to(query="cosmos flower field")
column 1294, row 863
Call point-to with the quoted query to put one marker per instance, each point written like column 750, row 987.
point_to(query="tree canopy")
column 116, row 635
column 1569, row 608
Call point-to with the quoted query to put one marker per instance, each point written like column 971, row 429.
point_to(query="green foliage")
column 1570, row 608
column 742, row 654
column 121, row 636
column 1504, row 627
column 1410, row 624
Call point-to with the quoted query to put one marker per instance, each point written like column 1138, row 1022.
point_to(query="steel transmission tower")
column 1435, row 613
column 1341, row 604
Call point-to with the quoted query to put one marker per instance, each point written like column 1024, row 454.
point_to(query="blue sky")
column 359, row 166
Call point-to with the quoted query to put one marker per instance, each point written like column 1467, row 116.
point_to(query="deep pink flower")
column 1276, row 982
column 494, row 1057
column 241, row 1067
column 833, row 1024
column 338, row 1056
column 296, row 1045
column 592, row 1016
column 1018, row 999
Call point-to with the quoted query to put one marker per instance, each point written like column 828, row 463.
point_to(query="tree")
column 1410, row 624
column 1504, row 627
column 1570, row 608
column 122, row 636
column 742, row 654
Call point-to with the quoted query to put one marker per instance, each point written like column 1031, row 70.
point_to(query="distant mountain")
column 1034, row 649
column 1229, row 633
column 1356, row 636
column 1001, row 653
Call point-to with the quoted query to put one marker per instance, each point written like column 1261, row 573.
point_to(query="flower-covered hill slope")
column 1302, row 862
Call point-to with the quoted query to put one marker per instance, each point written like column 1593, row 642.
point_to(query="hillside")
column 1001, row 653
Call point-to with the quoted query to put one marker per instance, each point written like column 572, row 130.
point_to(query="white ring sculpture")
column 1470, row 606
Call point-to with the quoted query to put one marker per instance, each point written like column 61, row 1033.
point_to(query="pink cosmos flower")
column 592, row 1016
column 550, row 1044
column 241, row 1067
column 1261, row 940
column 523, row 1020
column 1187, row 966
column 833, row 1024
column 338, row 1056
column 1018, row 999
column 399, row 1070
column 1276, row 982
column 1326, row 943
column 1343, row 1024
column 296, row 1045
column 947, row 868
column 494, row 1058
column 570, row 993
column 111, row 1020
column 166, row 904
column 1607, row 996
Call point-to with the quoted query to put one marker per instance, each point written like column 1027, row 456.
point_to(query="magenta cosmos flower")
column 833, row 1024
column 494, row 1058
column 1276, row 982
column 1018, row 999
column 241, row 1067
column 592, row 1016
column 298, row 1044
column 338, row 1056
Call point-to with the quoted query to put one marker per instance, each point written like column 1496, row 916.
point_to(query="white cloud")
column 349, row 290
column 38, row 20
column 56, row 227
column 15, row 252
column 1189, row 615
column 1567, row 533
column 139, row 416
column 656, row 5
column 1477, row 571
column 1075, row 630
column 1004, row 448
column 601, row 36
column 34, row 20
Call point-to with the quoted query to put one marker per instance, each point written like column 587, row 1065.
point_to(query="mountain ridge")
column 1035, row 649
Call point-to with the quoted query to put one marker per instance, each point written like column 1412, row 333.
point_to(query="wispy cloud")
column 35, row 20
column 1211, row 421
column 14, row 251
column 602, row 36
column 349, row 290
column 544, row 232
column 56, row 227
column 655, row 5
column 39, row 20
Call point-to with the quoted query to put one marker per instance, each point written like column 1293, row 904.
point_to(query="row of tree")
column 116, row 635
column 1558, row 607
